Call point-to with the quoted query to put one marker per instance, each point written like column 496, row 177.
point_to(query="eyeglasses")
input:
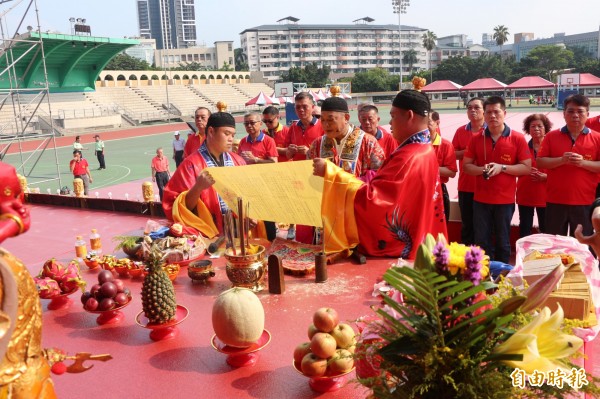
column 251, row 123
column 317, row 116
column 268, row 120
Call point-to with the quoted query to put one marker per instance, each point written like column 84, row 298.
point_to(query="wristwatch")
column 504, row 168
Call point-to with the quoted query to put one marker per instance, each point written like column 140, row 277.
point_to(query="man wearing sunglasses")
column 275, row 130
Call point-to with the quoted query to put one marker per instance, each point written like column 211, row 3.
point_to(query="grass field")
column 128, row 159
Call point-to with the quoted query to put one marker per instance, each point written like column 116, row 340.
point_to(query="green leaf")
column 461, row 297
column 459, row 286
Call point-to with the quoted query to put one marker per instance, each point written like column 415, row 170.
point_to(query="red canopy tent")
column 441, row 86
column 484, row 84
column 262, row 99
column 530, row 82
column 587, row 79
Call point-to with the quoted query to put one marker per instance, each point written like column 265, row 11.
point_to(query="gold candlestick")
column 147, row 191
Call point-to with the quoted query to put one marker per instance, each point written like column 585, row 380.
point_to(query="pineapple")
column 158, row 294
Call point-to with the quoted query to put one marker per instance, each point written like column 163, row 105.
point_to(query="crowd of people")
column 395, row 182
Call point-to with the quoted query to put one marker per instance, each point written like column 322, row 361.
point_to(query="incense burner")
column 248, row 270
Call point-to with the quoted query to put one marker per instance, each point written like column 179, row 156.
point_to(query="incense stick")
column 241, row 226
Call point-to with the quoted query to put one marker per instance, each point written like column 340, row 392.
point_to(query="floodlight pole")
column 400, row 7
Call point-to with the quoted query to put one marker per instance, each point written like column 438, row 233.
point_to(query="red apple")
column 301, row 351
column 313, row 366
column 312, row 330
column 325, row 319
column 341, row 362
column 344, row 335
column 323, row 345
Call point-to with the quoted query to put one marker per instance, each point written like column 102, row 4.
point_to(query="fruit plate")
column 324, row 383
column 241, row 357
column 109, row 316
column 61, row 301
column 161, row 332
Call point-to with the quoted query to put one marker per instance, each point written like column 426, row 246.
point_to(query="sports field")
column 128, row 158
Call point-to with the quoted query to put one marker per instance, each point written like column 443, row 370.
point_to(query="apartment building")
column 172, row 23
column 347, row 49
column 455, row 46
column 208, row 57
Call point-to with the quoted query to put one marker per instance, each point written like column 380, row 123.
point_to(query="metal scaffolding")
column 26, row 122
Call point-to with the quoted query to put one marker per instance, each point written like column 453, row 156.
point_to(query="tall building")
column 172, row 23
column 346, row 49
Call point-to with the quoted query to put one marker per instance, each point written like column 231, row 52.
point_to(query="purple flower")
column 441, row 255
column 473, row 259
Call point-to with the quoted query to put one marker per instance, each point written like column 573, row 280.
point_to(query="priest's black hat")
column 414, row 101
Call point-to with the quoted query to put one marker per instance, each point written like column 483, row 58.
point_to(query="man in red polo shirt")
column 81, row 169
column 301, row 135
column 274, row 129
column 572, row 156
column 195, row 141
column 368, row 116
column 594, row 123
column 495, row 157
column 255, row 148
column 466, row 182
column 160, row 171
column 446, row 158
column 304, row 131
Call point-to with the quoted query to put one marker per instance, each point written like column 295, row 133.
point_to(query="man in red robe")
column 391, row 214
column 345, row 145
column 195, row 141
column 189, row 197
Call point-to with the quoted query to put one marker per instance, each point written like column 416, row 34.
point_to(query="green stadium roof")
column 73, row 62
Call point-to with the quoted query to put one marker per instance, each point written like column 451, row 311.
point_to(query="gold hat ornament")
column 335, row 91
column 147, row 191
column 222, row 106
column 418, row 83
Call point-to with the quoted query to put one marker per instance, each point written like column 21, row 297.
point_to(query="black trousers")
column 100, row 156
column 178, row 157
column 465, row 203
column 162, row 178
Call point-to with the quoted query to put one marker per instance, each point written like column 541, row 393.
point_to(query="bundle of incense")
column 229, row 230
column 241, row 225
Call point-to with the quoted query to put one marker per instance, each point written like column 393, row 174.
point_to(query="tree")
column 376, row 79
column 457, row 69
column 312, row 74
column 241, row 60
column 429, row 39
column 226, row 66
column 500, row 36
column 410, row 57
column 547, row 60
column 126, row 62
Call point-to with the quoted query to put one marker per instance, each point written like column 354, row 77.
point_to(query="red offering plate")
column 325, row 383
column 242, row 357
column 61, row 301
column 161, row 332
column 109, row 316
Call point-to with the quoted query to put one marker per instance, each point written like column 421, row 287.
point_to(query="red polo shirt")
column 569, row 184
column 386, row 141
column 262, row 147
column 529, row 192
column 192, row 144
column 594, row 123
column 80, row 167
column 160, row 164
column 444, row 152
column 301, row 135
column 280, row 136
column 460, row 141
column 510, row 149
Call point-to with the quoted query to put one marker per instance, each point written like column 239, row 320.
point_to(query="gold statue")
column 418, row 83
column 78, row 187
column 148, row 191
column 222, row 106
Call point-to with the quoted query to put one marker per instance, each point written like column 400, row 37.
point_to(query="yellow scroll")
column 284, row 192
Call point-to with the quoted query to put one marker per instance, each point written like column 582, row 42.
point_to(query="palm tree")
column 409, row 57
column 429, row 39
column 500, row 36
column 241, row 59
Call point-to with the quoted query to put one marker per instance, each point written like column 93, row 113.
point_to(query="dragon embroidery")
column 400, row 231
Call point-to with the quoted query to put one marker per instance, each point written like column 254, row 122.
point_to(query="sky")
column 224, row 20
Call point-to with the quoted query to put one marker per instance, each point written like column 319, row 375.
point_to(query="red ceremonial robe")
column 394, row 211
column 184, row 178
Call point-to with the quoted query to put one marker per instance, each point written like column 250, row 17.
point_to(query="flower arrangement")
column 442, row 334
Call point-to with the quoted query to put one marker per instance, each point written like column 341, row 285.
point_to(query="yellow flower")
column 541, row 342
column 456, row 260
